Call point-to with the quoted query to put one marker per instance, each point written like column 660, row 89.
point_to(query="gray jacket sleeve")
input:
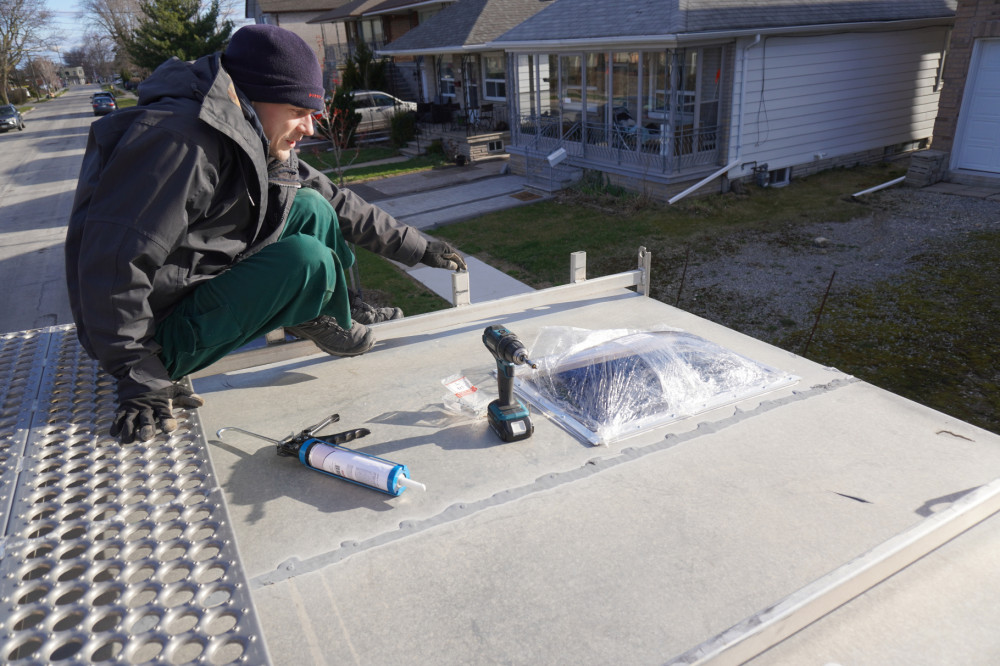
column 367, row 225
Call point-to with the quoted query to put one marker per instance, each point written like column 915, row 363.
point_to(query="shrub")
column 403, row 127
column 436, row 148
column 18, row 96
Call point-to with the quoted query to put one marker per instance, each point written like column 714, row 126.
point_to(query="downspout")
column 739, row 131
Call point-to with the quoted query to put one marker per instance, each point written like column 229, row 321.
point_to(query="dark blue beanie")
column 271, row 64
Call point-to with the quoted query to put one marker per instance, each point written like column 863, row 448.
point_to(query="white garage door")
column 978, row 145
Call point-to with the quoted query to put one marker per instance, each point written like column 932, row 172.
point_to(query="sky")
column 70, row 18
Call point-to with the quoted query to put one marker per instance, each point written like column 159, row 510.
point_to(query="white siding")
column 836, row 94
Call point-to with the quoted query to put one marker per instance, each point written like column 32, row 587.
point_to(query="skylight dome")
column 607, row 385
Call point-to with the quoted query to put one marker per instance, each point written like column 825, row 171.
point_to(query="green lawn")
column 323, row 159
column 383, row 283
column 356, row 169
column 533, row 243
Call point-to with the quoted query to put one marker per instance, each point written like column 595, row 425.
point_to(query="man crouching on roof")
column 196, row 229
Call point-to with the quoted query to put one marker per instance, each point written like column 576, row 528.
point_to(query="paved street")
column 37, row 183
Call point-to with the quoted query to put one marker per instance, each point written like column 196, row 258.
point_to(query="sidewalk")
column 429, row 199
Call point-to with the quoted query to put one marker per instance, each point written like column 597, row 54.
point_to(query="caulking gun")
column 326, row 455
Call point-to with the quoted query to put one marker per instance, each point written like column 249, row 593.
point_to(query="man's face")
column 284, row 126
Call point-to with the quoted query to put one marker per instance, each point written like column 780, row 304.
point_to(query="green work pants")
column 288, row 282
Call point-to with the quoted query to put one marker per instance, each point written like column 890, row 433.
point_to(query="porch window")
column 644, row 108
column 446, row 78
column 494, row 77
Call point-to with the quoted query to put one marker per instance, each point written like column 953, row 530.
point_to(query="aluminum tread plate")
column 109, row 552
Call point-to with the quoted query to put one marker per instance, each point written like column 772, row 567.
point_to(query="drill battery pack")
column 511, row 423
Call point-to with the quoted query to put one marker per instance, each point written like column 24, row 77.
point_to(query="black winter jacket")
column 174, row 191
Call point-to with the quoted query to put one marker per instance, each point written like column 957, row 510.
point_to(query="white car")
column 378, row 108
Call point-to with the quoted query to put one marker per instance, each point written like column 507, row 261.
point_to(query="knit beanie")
column 271, row 64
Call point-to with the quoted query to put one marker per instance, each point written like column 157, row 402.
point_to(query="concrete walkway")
column 430, row 199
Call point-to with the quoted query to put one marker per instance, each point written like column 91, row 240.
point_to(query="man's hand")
column 139, row 418
column 441, row 255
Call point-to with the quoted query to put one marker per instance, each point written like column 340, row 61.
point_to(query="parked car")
column 103, row 104
column 378, row 108
column 10, row 118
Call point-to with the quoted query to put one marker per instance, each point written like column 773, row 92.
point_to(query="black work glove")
column 441, row 255
column 139, row 418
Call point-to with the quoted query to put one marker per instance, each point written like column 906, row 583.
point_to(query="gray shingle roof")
column 357, row 8
column 347, row 10
column 465, row 23
column 586, row 19
column 287, row 6
column 395, row 4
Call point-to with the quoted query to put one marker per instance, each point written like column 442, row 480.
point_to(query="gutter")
column 403, row 8
column 595, row 43
column 438, row 50
column 739, row 131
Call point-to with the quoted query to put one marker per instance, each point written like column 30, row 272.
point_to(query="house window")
column 494, row 77
column 495, row 146
column 371, row 32
column 446, row 79
column 447, row 86
column 779, row 177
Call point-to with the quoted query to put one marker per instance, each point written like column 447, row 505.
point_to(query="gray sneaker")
column 331, row 338
column 368, row 314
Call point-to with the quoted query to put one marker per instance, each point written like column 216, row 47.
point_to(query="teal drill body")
column 507, row 415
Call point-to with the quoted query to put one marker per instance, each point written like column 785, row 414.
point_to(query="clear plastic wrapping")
column 605, row 385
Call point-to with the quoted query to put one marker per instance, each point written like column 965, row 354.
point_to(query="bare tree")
column 99, row 55
column 116, row 18
column 75, row 57
column 22, row 23
column 46, row 73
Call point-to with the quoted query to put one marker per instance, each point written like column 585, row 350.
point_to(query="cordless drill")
column 508, row 416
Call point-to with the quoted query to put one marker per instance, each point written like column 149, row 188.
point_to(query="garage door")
column 978, row 146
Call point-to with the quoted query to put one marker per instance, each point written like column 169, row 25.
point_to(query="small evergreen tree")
column 176, row 28
column 363, row 72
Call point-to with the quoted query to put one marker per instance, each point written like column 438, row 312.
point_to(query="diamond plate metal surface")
column 110, row 552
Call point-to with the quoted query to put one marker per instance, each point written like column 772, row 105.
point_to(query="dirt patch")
column 911, row 302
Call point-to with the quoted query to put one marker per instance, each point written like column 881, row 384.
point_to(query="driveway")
column 37, row 183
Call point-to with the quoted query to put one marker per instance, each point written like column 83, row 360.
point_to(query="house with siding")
column 296, row 15
column 455, row 64
column 664, row 95
column 374, row 23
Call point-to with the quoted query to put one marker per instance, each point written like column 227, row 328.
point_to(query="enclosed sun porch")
column 647, row 115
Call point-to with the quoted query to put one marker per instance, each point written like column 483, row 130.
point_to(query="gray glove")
column 139, row 418
column 442, row 255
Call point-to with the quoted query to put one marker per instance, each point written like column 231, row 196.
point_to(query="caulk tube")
column 358, row 468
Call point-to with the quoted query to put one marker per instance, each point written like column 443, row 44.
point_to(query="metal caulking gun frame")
column 327, row 456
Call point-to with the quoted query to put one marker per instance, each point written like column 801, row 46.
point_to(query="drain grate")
column 109, row 552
